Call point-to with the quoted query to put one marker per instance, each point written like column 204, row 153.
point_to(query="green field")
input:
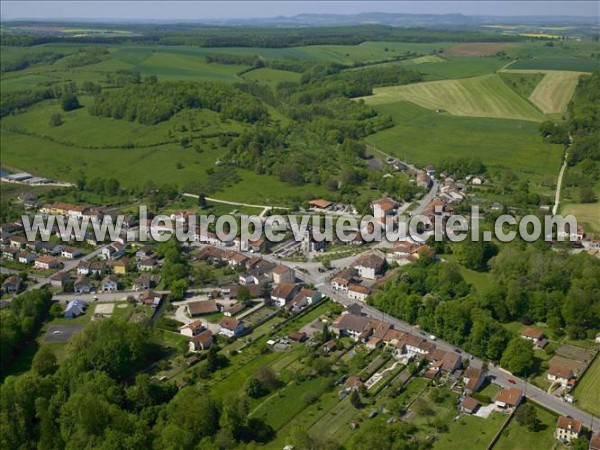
column 271, row 77
column 80, row 128
column 517, row 437
column 577, row 65
column 455, row 67
column 424, row 137
column 587, row 391
column 585, row 212
column 485, row 96
column 470, row 432
column 522, row 82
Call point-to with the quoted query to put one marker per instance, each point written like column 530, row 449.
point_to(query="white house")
column 358, row 292
column 560, row 374
column 27, row 257
column 201, row 341
column 369, row 266
column 283, row 293
column 231, row 327
column 45, row 262
column 110, row 283
column 70, row 252
column 113, row 250
column 192, row 328
column 508, row 398
column 567, row 429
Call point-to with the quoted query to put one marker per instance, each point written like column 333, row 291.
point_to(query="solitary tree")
column 44, row 362
column 201, row 201
column 355, row 399
column 69, row 102
column 55, row 120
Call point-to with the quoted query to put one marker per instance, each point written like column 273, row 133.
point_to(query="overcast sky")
column 197, row 10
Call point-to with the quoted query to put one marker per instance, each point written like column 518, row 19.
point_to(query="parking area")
column 61, row 333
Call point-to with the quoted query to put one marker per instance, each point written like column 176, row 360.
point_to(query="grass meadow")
column 587, row 391
column 585, row 212
column 518, row 437
column 424, row 137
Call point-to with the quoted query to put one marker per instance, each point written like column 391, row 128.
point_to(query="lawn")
column 517, row 437
column 470, row 432
column 587, row 391
column 484, row 96
column 424, row 137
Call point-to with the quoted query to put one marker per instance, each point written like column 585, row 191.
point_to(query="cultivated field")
column 554, row 92
column 485, row 96
column 587, row 391
column 478, row 48
column 426, row 59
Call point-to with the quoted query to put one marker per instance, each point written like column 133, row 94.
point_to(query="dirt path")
column 559, row 185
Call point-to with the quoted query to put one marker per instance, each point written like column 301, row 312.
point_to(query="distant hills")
column 446, row 21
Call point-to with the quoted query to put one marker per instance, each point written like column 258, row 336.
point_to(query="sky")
column 229, row 9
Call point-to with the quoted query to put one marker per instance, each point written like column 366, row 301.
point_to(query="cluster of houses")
column 261, row 278
column 405, row 346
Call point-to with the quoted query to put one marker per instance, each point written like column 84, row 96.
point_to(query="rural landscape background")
column 320, row 114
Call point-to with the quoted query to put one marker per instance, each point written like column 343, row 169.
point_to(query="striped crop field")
column 554, row 92
column 483, row 96
column 425, row 59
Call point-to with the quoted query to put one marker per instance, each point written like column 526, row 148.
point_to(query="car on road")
column 457, row 350
column 511, row 381
column 56, row 332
